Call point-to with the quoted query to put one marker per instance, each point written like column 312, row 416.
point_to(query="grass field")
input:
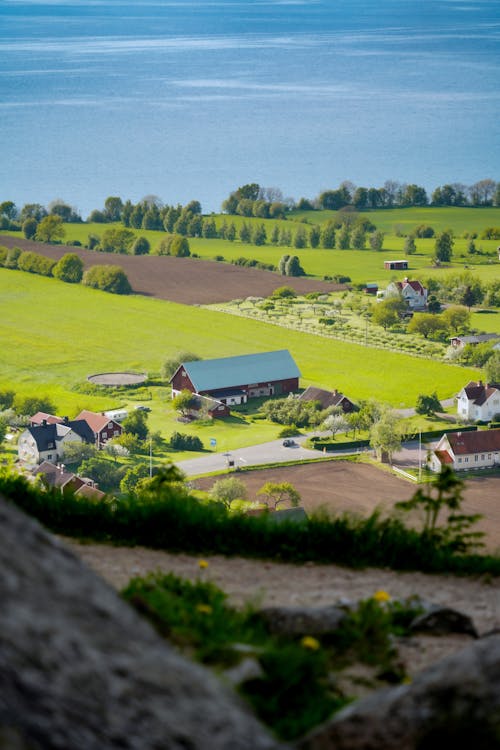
column 53, row 335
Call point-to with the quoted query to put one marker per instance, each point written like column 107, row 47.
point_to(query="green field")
column 53, row 335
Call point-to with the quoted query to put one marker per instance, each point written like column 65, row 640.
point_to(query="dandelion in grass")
column 310, row 643
column 204, row 609
column 382, row 596
column 202, row 564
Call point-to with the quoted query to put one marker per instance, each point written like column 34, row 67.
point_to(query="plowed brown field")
column 190, row 281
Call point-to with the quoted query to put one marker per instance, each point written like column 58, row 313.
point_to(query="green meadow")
column 53, row 335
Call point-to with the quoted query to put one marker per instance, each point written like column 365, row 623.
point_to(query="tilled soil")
column 190, row 281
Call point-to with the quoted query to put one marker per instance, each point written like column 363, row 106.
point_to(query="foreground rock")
column 455, row 703
column 80, row 669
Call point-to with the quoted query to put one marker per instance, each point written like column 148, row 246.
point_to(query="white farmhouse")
column 47, row 442
column 412, row 292
column 478, row 401
column 467, row 450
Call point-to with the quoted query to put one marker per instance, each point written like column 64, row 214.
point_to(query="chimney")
column 44, row 423
column 66, row 420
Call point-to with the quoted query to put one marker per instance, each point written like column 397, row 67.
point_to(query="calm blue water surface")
column 191, row 99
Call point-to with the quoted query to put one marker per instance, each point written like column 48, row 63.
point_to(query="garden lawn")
column 53, row 335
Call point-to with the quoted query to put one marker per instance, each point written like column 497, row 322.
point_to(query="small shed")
column 396, row 265
column 371, row 289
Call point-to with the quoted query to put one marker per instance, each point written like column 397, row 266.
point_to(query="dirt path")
column 270, row 583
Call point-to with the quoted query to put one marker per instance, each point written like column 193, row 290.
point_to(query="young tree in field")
column 385, row 314
column 358, row 238
column 492, row 369
column 75, row 453
column 314, row 236
column 343, row 239
column 445, row 495
column 172, row 363
column 227, row 490
column 385, row 435
column 444, row 246
column 280, row 492
column 69, row 268
column 300, row 238
column 334, row 423
column 428, row 405
column 410, row 247
column 50, row 229
column 376, row 240
column 293, row 267
column 103, row 471
column 30, row 227
column 328, row 235
column 183, row 402
column 116, row 240
column 132, row 476
column 426, row 324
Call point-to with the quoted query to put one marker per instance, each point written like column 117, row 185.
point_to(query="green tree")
column 293, row 267
column 183, row 402
column 8, row 209
column 428, row 404
column 75, row 453
column 30, row 227
column 50, row 229
column 3, row 429
column 444, row 246
column 107, row 278
column 171, row 364
column 245, row 233
column 426, row 324
column 376, row 240
column 259, row 235
column 282, row 264
column 492, row 368
column 141, row 246
column 132, row 476
column 227, row 490
column 279, row 492
column 328, row 235
column 314, row 236
column 456, row 318
column 284, row 292
column 136, row 424
column 69, row 268
column 335, row 422
column 113, row 208
column 410, row 247
column 343, row 240
column 6, row 399
column 116, row 240
column 385, row 435
column 358, row 238
column 385, row 314
column 300, row 238
column 445, row 494
column 30, row 405
column 103, row 471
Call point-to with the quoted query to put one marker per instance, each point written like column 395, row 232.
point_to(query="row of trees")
column 69, row 269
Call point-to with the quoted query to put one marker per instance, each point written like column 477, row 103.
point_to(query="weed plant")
column 296, row 688
column 166, row 517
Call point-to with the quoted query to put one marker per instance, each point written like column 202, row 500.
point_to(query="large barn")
column 233, row 380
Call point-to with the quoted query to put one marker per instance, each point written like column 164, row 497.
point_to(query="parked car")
column 288, row 442
column 140, row 407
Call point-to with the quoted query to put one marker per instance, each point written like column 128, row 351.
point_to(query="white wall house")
column 478, row 401
column 45, row 443
column 463, row 451
column 412, row 292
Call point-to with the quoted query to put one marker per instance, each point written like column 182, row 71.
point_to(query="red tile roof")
column 96, row 422
column 40, row 416
column 482, row 441
column 444, row 457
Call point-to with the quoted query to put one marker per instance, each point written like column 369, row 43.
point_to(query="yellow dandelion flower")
column 407, row 680
column 202, row 564
column 204, row 609
column 309, row 642
column 382, row 596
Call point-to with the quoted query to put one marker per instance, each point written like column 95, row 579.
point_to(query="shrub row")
column 167, row 518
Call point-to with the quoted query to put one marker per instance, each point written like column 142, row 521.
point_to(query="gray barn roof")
column 227, row 372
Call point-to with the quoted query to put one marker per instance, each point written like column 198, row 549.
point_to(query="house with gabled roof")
column 55, row 476
column 328, row 399
column 41, row 417
column 233, row 380
column 47, row 442
column 103, row 427
column 478, row 401
column 412, row 292
column 458, row 342
column 466, row 450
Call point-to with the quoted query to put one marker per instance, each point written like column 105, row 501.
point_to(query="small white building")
column 467, row 450
column 478, row 401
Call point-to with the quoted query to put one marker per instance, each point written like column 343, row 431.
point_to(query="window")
column 116, row 433
column 49, row 456
column 459, row 460
column 476, row 458
column 466, row 460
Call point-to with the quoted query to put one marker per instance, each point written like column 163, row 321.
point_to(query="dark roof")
column 230, row 372
column 46, row 436
column 54, row 476
column 83, row 429
column 325, row 398
column 479, row 339
column 479, row 392
column 474, row 442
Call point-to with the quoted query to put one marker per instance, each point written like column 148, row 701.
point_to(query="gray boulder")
column 79, row 669
column 455, row 703
column 298, row 621
column 443, row 620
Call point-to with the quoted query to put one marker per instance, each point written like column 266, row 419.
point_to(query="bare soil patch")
column 117, row 378
column 343, row 486
column 190, row 281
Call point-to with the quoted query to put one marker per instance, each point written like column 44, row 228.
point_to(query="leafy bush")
column 35, row 263
column 69, row 269
column 107, row 278
column 181, row 442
